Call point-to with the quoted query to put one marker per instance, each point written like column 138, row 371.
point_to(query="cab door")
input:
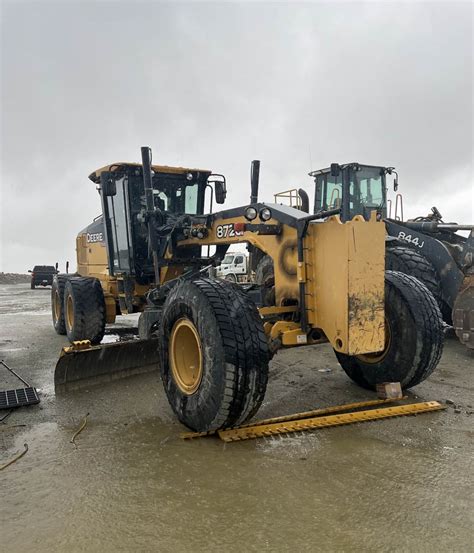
column 116, row 210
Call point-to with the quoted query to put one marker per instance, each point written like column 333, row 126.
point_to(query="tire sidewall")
column 57, row 287
column 198, row 409
column 402, row 349
column 70, row 332
column 401, row 361
column 89, row 309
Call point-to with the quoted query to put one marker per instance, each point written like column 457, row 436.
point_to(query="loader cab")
column 354, row 188
column 176, row 191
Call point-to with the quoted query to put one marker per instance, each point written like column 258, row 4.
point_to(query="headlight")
column 250, row 213
column 189, row 176
column 265, row 214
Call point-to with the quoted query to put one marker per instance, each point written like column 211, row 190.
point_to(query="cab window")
column 370, row 187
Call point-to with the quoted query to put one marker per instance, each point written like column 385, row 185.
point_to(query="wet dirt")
column 133, row 485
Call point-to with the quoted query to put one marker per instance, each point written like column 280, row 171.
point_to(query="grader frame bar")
column 333, row 272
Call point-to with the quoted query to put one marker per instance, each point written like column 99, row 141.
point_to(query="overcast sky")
column 215, row 85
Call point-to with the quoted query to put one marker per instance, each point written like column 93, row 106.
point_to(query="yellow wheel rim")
column 70, row 313
column 373, row 358
column 186, row 356
column 56, row 306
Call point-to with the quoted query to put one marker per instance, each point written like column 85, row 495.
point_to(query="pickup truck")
column 42, row 275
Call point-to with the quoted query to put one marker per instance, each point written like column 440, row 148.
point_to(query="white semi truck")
column 234, row 267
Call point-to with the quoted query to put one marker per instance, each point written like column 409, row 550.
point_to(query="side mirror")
column 335, row 169
column 389, row 171
column 219, row 187
column 56, row 266
column 67, row 266
column 221, row 192
column 30, row 271
column 108, row 185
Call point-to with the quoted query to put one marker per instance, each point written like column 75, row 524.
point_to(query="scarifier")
column 213, row 339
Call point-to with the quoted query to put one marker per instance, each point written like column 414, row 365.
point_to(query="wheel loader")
column 213, row 339
column 425, row 247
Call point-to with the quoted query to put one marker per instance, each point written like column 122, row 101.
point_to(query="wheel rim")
column 69, row 313
column 56, row 306
column 373, row 358
column 186, row 356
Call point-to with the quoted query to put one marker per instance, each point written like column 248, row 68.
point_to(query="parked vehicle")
column 234, row 267
column 42, row 275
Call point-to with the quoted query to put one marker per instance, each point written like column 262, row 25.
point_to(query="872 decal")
column 408, row 238
column 228, row 231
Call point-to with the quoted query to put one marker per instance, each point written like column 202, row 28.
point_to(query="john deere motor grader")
column 215, row 339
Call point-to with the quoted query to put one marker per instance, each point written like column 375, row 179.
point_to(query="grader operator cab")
column 116, row 251
column 214, row 339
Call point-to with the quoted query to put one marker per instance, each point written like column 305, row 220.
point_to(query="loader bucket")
column 82, row 365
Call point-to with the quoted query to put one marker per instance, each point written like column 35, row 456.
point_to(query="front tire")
column 414, row 339
column 84, row 310
column 214, row 354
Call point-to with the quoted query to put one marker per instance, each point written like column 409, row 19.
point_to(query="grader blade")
column 82, row 365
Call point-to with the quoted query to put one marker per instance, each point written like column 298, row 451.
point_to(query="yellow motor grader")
column 213, row 339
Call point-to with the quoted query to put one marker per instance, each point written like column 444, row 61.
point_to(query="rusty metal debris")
column 78, row 431
column 319, row 418
column 16, row 458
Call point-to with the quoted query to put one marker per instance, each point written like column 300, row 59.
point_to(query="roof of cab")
column 95, row 175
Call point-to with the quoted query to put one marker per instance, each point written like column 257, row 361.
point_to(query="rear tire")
column 265, row 277
column 57, row 303
column 415, row 338
column 84, row 310
column 218, row 376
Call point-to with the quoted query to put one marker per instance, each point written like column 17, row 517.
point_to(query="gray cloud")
column 216, row 85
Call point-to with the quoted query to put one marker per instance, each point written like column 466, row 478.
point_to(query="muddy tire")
column 265, row 277
column 407, row 260
column 214, row 354
column 84, row 310
column 230, row 277
column 32, row 285
column 57, row 303
column 414, row 341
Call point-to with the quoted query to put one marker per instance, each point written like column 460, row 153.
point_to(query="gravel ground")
column 132, row 484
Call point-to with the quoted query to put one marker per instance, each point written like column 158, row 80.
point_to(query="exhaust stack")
column 146, row 161
column 150, row 208
column 304, row 200
column 254, row 179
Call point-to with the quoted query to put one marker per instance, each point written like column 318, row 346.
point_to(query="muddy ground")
column 133, row 485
